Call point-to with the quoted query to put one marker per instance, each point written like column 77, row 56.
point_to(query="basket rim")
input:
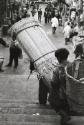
column 71, row 77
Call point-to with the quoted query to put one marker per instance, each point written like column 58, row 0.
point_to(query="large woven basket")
column 36, row 45
column 75, row 93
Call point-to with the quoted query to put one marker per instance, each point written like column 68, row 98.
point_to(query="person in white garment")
column 67, row 31
column 54, row 24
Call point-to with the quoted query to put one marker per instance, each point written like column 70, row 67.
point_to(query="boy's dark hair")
column 61, row 54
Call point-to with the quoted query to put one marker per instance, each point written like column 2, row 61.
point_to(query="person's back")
column 45, row 13
column 39, row 12
column 49, row 16
column 54, row 22
column 67, row 31
column 59, row 78
column 33, row 12
column 57, row 97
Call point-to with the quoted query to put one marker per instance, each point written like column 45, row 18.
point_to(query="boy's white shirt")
column 67, row 31
column 54, row 22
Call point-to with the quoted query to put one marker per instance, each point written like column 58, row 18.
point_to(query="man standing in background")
column 39, row 14
column 54, row 24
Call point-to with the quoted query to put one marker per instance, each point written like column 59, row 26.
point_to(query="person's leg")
column 43, row 92
column 48, row 19
column 1, row 64
column 45, row 19
column 15, row 61
column 40, row 18
column 64, row 112
column 66, row 41
column 53, row 30
column 10, row 58
column 10, row 61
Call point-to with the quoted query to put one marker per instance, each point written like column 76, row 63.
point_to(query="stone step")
column 23, row 107
column 29, row 118
column 29, row 123
column 27, row 111
column 37, row 120
column 20, row 102
column 76, row 120
column 19, row 87
column 16, row 76
column 21, row 112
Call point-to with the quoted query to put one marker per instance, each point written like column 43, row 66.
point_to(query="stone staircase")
column 23, row 113
column 19, row 103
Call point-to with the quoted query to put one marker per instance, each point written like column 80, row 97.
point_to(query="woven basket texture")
column 75, row 88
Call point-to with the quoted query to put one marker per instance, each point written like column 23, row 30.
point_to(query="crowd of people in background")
column 55, row 15
column 62, row 12
column 68, row 17
column 31, row 8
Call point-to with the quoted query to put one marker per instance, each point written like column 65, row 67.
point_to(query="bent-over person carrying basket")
column 58, row 98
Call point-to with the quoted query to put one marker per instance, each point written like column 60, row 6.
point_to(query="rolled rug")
column 37, row 46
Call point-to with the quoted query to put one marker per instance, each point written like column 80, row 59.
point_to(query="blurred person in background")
column 39, row 14
column 15, row 51
column 67, row 31
column 54, row 24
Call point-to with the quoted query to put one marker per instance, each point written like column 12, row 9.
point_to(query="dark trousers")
column 46, row 19
column 13, row 56
column 43, row 92
column 49, row 19
column 59, row 104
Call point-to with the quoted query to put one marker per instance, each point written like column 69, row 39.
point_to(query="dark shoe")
column 15, row 67
column 8, row 65
column 1, row 70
